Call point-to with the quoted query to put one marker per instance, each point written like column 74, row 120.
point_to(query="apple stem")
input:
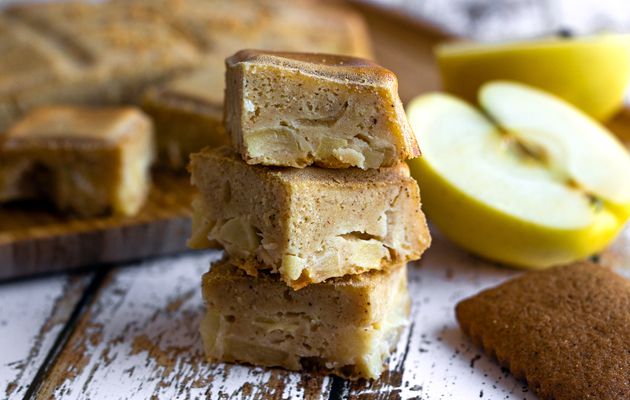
column 565, row 33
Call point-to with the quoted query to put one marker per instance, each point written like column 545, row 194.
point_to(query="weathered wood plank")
column 139, row 339
column 32, row 314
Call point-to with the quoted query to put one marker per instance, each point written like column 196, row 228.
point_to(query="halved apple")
column 532, row 182
column 591, row 72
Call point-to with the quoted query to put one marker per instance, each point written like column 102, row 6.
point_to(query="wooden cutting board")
column 35, row 240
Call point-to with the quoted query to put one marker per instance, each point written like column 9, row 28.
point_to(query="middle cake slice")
column 306, row 224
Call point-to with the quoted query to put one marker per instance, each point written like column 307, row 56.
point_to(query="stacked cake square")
column 316, row 211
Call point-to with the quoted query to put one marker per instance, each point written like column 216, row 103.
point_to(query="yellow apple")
column 590, row 72
column 530, row 182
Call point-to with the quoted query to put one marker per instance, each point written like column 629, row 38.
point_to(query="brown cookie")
column 566, row 330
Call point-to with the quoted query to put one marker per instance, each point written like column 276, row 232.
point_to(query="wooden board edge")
column 104, row 246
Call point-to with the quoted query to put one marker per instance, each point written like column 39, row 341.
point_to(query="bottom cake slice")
column 346, row 326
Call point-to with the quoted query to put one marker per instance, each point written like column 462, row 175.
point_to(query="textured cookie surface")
column 566, row 331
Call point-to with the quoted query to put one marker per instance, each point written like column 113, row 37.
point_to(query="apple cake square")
column 88, row 161
column 300, row 109
column 307, row 224
column 346, row 326
column 188, row 114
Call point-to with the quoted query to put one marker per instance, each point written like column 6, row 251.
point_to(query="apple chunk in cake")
column 88, row 161
column 298, row 109
column 307, row 224
column 347, row 325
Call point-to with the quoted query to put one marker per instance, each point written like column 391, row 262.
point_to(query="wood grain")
column 139, row 339
column 32, row 314
column 36, row 239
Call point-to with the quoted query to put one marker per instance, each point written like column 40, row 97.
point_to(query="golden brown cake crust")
column 566, row 331
column 366, row 281
column 104, row 126
column 322, row 176
column 188, row 114
column 356, row 70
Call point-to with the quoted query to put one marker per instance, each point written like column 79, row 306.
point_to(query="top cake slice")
column 299, row 109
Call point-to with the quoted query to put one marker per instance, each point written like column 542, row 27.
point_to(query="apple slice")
column 535, row 183
column 591, row 72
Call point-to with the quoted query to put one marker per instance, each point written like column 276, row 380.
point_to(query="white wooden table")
column 129, row 332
